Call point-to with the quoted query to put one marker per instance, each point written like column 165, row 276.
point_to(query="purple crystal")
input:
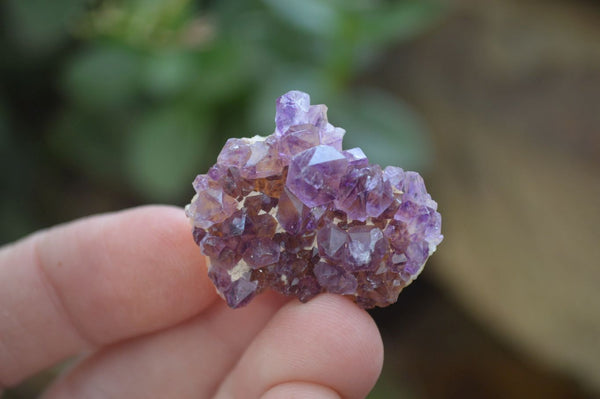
column 306, row 287
column 234, row 225
column 295, row 213
column 335, row 279
column 411, row 184
column 415, row 217
column 264, row 160
column 198, row 234
column 223, row 252
column 235, row 152
column 314, row 175
column 380, row 197
column 414, row 190
column 333, row 243
column 316, row 217
column 397, row 235
column 220, row 278
column 397, row 260
column 240, row 293
column 366, row 249
column 255, row 158
column 291, row 109
column 230, row 179
column 297, row 139
column 332, row 136
column 260, row 225
column 433, row 230
column 261, row 252
column 356, row 157
column 363, row 192
column 317, row 116
column 294, row 110
column 211, row 205
column 291, row 212
column 417, row 253
column 394, row 175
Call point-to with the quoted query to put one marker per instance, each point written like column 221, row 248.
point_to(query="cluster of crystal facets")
column 295, row 213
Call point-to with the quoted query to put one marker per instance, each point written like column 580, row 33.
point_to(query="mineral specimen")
column 295, row 213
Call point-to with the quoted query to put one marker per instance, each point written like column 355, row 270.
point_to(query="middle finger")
column 186, row 361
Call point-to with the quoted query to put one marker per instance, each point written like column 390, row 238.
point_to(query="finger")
column 300, row 390
column 186, row 361
column 96, row 281
column 328, row 342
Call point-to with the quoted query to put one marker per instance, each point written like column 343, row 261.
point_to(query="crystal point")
column 211, row 206
column 314, row 174
column 363, row 192
column 291, row 212
column 291, row 109
column 333, row 243
column 335, row 279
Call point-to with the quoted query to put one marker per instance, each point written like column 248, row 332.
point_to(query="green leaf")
column 4, row 127
column 396, row 21
column 168, row 73
column 89, row 142
column 17, row 220
column 165, row 152
column 103, row 77
column 39, row 26
column 141, row 23
column 311, row 16
column 388, row 131
column 221, row 72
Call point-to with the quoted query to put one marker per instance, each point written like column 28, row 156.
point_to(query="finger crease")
column 303, row 382
column 53, row 293
column 235, row 355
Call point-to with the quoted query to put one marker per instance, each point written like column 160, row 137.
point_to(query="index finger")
column 96, row 281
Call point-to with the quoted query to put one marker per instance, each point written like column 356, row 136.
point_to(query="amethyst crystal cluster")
column 295, row 213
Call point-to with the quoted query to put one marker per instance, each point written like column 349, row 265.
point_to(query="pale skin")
column 127, row 294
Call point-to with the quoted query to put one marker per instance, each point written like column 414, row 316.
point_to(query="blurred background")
column 106, row 104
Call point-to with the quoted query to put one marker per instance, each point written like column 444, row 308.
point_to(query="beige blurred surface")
column 511, row 90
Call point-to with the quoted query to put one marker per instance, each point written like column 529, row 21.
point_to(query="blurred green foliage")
column 117, row 102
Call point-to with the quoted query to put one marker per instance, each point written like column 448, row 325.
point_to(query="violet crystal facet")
column 295, row 213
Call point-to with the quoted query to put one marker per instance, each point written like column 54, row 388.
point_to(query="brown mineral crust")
column 271, row 186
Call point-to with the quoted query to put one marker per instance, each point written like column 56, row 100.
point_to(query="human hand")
column 128, row 292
